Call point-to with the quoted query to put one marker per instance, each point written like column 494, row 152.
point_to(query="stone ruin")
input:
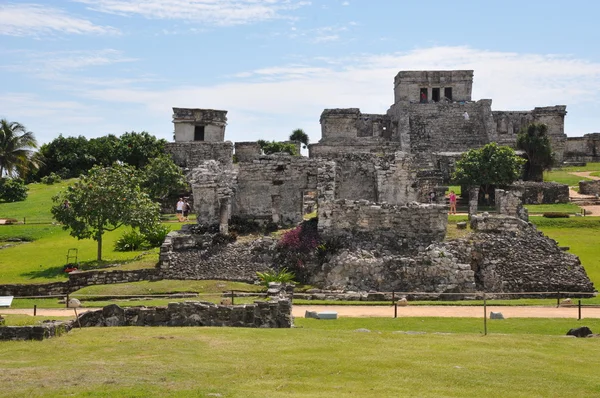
column 370, row 178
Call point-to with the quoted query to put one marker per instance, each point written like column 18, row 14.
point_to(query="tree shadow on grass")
column 55, row 272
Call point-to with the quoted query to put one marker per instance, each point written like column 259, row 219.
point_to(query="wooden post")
column 579, row 310
column 35, row 309
column 395, row 310
column 484, row 315
column 232, row 297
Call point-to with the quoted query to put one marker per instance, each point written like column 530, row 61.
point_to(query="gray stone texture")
column 583, row 149
column 276, row 313
column 589, row 187
column 510, row 203
column 46, row 330
column 189, row 155
column 537, row 193
column 212, row 121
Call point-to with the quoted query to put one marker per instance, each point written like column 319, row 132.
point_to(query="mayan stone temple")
column 371, row 178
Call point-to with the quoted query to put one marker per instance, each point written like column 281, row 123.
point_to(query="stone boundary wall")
column 583, row 149
column 40, row 332
column 409, row 226
column 589, row 187
column 261, row 314
column 333, row 152
column 487, row 223
column 192, row 154
column 80, row 280
column 537, row 193
column 510, row 203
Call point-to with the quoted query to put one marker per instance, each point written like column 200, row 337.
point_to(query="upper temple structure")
column 433, row 112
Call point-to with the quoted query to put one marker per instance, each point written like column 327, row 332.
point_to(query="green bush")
column 555, row 215
column 282, row 276
column 12, row 190
column 156, row 236
column 51, row 179
column 131, row 241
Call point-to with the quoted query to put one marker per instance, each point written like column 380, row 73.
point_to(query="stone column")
column 473, row 199
column 224, row 215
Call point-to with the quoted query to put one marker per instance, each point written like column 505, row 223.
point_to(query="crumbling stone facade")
column 537, row 193
column 583, row 149
column 589, row 187
column 510, row 203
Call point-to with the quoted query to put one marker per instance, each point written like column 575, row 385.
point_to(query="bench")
column 6, row 301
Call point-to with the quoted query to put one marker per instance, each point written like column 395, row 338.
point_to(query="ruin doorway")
column 198, row 133
column 448, row 93
column 435, row 94
column 309, row 204
column 424, row 95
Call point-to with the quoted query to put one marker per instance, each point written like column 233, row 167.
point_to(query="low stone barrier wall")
column 487, row 223
column 537, row 193
column 39, row 332
column 589, row 187
column 271, row 314
column 80, row 280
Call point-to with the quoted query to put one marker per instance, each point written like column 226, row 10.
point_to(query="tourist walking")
column 186, row 210
column 179, row 209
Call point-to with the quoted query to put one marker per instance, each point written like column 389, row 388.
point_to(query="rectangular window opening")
column 448, row 93
column 435, row 94
column 199, row 133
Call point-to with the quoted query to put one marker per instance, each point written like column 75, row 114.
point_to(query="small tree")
column 103, row 200
column 12, row 190
column 272, row 147
column 533, row 139
column 300, row 136
column 492, row 165
column 162, row 178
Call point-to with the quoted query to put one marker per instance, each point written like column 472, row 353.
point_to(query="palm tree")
column 300, row 136
column 16, row 149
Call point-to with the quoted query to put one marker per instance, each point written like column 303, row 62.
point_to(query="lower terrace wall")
column 44, row 331
column 408, row 227
column 589, row 187
column 583, row 149
column 537, row 193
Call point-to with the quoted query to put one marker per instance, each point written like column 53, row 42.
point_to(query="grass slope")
column 303, row 362
column 36, row 208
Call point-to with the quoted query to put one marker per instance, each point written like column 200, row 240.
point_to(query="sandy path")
column 593, row 210
column 386, row 311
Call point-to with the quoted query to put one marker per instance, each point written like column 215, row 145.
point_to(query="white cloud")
column 38, row 20
column 209, row 12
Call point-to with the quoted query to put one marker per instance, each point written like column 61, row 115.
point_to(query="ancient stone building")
column 432, row 113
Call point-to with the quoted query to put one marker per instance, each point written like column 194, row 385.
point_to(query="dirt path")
column 593, row 210
column 386, row 311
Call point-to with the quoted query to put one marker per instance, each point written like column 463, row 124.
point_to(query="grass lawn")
column 591, row 166
column 318, row 359
column 557, row 207
column 563, row 177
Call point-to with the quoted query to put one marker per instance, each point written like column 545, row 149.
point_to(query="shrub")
column 131, row 241
column 156, row 236
column 281, row 276
column 555, row 215
column 12, row 190
column 50, row 179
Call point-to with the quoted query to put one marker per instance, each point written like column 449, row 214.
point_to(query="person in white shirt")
column 466, row 115
column 179, row 209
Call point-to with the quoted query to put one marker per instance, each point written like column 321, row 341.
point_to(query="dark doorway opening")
column 199, row 133
column 448, row 93
column 435, row 94
column 423, row 96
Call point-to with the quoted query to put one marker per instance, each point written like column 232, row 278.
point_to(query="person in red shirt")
column 452, row 198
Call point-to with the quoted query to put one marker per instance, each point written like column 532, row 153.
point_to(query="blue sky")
column 94, row 67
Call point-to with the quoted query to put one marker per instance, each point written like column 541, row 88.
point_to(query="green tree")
column 492, row 165
column 137, row 149
column 12, row 190
column 67, row 156
column 533, row 140
column 103, row 200
column 272, row 147
column 163, row 178
column 16, row 149
column 300, row 136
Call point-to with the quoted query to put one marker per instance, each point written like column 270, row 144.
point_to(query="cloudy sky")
column 94, row 67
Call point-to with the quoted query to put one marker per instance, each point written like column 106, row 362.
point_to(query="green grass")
column 167, row 287
column 36, row 208
column 319, row 359
column 28, row 320
column 588, row 167
column 563, row 177
column 595, row 174
column 557, row 207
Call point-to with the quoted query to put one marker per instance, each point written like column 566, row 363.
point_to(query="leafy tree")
column 137, row 149
column 103, row 200
column 272, row 147
column 300, row 136
column 16, row 149
column 163, row 178
column 104, row 150
column 66, row 156
column 12, row 190
column 492, row 165
column 533, row 139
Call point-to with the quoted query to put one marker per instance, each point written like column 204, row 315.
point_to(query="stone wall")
column 79, row 280
column 434, row 270
column 537, row 193
column 334, row 151
column 189, row 155
column 403, row 227
column 272, row 187
column 213, row 122
column 213, row 186
column 510, row 203
column 350, row 125
column 46, row 330
column 247, row 151
column 271, row 314
column 589, row 187
column 493, row 223
column 583, row 149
